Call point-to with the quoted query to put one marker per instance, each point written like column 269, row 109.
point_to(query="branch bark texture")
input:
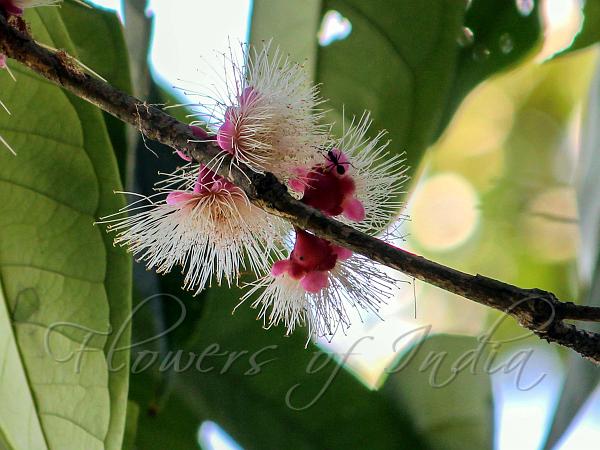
column 537, row 310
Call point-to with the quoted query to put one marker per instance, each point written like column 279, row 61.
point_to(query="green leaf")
column 582, row 375
column 401, row 60
column 411, row 52
column 501, row 37
column 165, row 421
column 451, row 410
column 174, row 425
column 293, row 26
column 131, row 422
column 55, row 266
column 138, row 34
column 589, row 33
column 19, row 423
column 148, row 283
column 89, row 30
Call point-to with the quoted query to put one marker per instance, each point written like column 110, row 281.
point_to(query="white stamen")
column 279, row 129
column 211, row 235
column 5, row 108
column 355, row 283
column 10, row 149
column 379, row 176
column 10, row 74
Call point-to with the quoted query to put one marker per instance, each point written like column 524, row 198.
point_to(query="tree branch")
column 537, row 310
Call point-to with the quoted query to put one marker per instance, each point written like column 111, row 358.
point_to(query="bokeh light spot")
column 562, row 21
column 550, row 225
column 334, row 27
column 444, row 212
column 477, row 128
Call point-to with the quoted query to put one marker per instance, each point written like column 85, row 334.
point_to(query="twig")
column 535, row 309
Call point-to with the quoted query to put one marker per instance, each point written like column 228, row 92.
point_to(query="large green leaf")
column 583, row 376
column 589, row 33
column 55, row 266
column 90, row 30
column 451, row 410
column 402, row 60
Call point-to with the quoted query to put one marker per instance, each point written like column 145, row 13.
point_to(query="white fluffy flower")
column 269, row 119
column 379, row 176
column 357, row 181
column 317, row 285
column 210, row 230
column 353, row 284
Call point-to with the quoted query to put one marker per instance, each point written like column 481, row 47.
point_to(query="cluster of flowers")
column 271, row 121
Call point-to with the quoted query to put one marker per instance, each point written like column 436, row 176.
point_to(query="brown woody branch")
column 537, row 310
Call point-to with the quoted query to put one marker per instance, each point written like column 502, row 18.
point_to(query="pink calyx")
column 228, row 133
column 248, row 96
column 210, row 182
column 299, row 182
column 11, row 8
column 177, row 197
column 207, row 183
column 329, row 187
column 310, row 261
column 353, row 209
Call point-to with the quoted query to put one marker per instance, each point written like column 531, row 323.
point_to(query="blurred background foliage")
column 501, row 136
